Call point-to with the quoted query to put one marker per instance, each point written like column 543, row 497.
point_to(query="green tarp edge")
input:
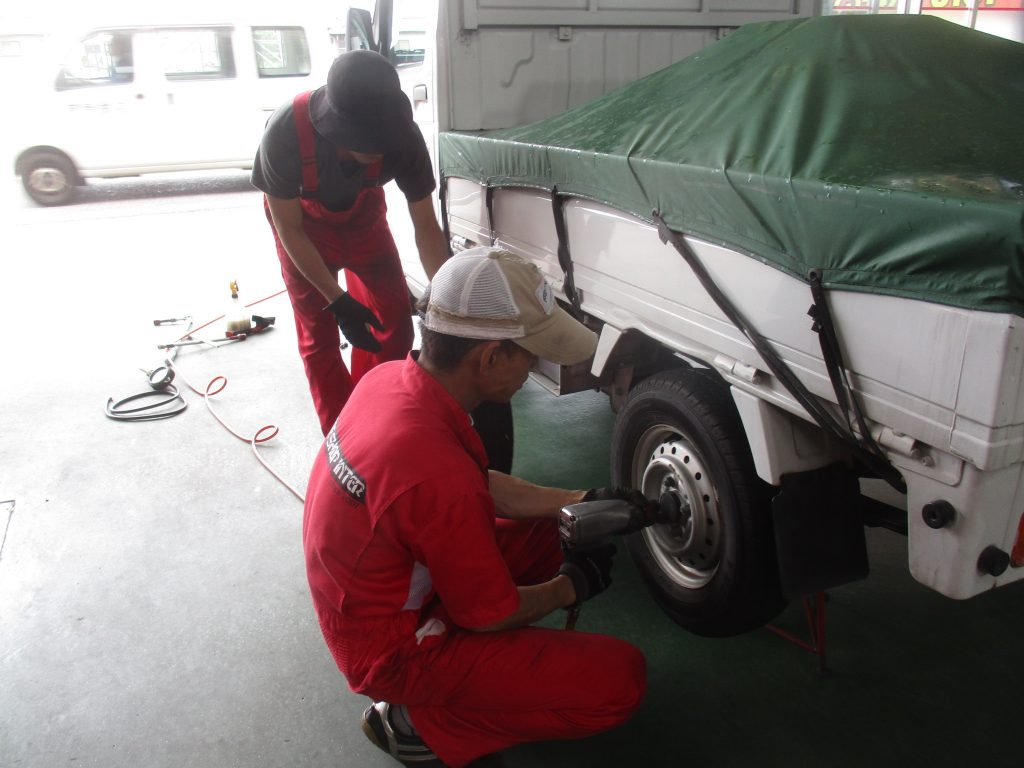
column 754, row 166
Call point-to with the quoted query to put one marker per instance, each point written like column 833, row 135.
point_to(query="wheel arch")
column 26, row 156
column 631, row 356
column 782, row 443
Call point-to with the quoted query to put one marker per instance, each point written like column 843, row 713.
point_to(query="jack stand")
column 814, row 610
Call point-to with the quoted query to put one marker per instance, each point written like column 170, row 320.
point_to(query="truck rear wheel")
column 49, row 178
column 679, row 438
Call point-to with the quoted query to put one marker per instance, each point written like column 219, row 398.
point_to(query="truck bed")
column 836, row 144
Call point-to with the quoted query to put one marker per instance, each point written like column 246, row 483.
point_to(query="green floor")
column 913, row 679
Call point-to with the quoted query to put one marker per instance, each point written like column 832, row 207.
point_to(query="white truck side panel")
column 941, row 385
column 891, row 345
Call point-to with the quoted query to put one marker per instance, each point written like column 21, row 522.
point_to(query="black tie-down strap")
column 489, row 202
column 564, row 259
column 821, row 415
column 442, row 199
column 832, row 354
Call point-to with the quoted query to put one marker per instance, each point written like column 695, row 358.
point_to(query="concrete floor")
column 154, row 609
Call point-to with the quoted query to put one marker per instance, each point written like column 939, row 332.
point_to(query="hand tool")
column 589, row 523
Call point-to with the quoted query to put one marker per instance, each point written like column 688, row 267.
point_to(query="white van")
column 130, row 100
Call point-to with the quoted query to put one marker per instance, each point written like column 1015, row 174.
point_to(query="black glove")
column 610, row 493
column 647, row 512
column 352, row 319
column 590, row 571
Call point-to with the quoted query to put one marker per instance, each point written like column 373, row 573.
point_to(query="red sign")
column 930, row 5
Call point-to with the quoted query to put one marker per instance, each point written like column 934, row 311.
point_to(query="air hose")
column 169, row 401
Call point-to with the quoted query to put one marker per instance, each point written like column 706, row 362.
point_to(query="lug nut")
column 671, row 508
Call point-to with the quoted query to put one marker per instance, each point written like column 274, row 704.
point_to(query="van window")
column 14, row 46
column 408, row 33
column 103, row 58
column 281, row 51
column 197, row 54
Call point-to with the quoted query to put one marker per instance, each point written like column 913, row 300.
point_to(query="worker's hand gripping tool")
column 590, row 525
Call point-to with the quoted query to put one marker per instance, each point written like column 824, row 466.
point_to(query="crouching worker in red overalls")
column 322, row 163
column 427, row 570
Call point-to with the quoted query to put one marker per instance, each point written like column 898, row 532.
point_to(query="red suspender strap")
column 307, row 144
column 371, row 173
column 307, row 149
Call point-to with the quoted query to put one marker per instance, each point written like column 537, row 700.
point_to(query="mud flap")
column 819, row 533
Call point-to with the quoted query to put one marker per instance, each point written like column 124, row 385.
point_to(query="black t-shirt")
column 277, row 169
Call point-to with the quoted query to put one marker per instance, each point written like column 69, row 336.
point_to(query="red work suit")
column 358, row 241
column 404, row 555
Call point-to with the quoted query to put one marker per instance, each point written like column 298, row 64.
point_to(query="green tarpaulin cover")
column 885, row 151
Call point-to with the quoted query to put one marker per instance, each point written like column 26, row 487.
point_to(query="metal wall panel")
column 620, row 13
column 519, row 75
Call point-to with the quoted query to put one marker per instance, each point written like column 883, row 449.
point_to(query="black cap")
column 362, row 107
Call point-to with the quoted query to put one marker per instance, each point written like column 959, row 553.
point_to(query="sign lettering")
column 929, row 5
column 344, row 475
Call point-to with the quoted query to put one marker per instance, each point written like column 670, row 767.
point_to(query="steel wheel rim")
column 689, row 552
column 48, row 181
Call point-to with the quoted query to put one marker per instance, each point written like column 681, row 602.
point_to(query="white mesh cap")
column 489, row 293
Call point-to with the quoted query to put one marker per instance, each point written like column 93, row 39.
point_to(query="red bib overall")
column 358, row 241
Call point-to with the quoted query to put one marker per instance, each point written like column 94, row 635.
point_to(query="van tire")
column 715, row 572
column 49, row 178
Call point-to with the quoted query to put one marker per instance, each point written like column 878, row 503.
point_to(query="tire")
column 49, row 178
column 679, row 438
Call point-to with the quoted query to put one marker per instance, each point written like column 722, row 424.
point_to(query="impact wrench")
column 590, row 523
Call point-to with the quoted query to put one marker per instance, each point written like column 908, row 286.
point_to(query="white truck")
column 693, row 219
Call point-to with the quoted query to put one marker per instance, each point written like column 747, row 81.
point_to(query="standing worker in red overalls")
column 322, row 163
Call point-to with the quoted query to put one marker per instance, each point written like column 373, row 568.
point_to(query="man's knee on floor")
column 623, row 685
column 633, row 669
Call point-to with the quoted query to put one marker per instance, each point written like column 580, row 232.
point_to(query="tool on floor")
column 161, row 401
column 193, row 342
column 237, row 316
column 589, row 523
column 256, row 323
column 161, row 376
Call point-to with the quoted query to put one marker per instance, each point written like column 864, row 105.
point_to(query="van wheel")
column 49, row 178
column 678, row 438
